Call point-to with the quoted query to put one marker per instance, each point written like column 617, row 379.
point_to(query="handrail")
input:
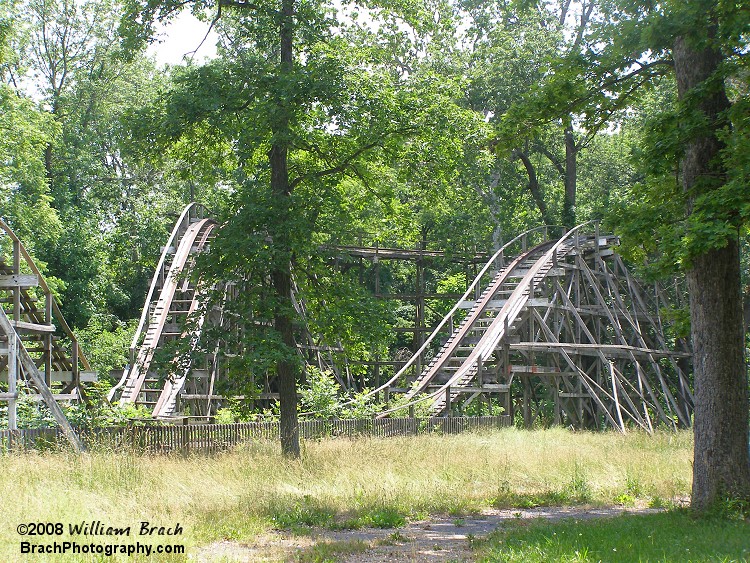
column 154, row 282
column 57, row 313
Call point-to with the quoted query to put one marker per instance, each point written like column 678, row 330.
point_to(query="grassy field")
column 674, row 536
column 338, row 483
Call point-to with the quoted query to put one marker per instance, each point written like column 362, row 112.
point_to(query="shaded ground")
column 438, row 539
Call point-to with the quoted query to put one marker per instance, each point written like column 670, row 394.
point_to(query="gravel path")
column 439, row 539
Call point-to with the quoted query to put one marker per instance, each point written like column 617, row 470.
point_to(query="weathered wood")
column 32, row 372
column 613, row 350
column 18, row 280
column 32, row 327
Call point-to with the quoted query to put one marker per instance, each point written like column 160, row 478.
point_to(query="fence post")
column 12, row 390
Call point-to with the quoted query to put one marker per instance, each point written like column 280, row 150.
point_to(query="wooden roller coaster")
column 563, row 321
column 554, row 322
column 551, row 327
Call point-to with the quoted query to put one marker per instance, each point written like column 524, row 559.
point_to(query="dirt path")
column 436, row 540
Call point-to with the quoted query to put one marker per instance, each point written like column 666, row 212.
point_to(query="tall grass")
column 340, row 482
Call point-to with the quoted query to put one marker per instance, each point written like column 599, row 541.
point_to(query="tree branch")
column 344, row 164
column 552, row 158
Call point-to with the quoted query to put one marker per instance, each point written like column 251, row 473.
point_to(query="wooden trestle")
column 562, row 323
column 40, row 358
column 551, row 327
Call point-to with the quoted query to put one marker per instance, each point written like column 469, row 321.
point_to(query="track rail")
column 555, row 299
column 167, row 401
column 171, row 295
column 534, row 265
column 190, row 234
column 497, row 261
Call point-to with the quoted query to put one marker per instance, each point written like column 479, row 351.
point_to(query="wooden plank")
column 57, row 396
column 32, row 327
column 19, row 280
column 201, row 396
column 619, row 350
column 65, row 376
column 486, row 388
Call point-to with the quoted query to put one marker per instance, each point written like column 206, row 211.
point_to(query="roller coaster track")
column 36, row 344
column 177, row 298
column 509, row 309
column 559, row 317
column 491, row 318
column 173, row 298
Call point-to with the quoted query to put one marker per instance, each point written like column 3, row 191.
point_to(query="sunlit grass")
column 340, row 483
column 675, row 536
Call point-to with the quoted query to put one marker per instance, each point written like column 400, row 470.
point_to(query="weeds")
column 394, row 539
column 341, row 483
column 324, row 552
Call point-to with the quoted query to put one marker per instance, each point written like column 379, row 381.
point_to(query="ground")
column 435, row 540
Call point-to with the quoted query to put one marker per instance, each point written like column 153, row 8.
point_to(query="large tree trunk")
column 281, row 274
column 571, row 176
column 721, row 462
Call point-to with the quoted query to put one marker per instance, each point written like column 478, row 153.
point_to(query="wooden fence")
column 211, row 438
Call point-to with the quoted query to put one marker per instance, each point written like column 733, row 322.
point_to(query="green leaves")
column 24, row 194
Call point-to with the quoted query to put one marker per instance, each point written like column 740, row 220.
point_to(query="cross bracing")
column 552, row 326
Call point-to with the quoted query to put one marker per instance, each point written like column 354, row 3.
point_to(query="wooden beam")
column 57, row 396
column 32, row 372
column 32, row 327
column 60, row 376
column 19, row 280
column 619, row 350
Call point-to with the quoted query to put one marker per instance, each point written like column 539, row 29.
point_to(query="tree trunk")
column 533, row 185
column 569, row 202
column 721, row 462
column 281, row 274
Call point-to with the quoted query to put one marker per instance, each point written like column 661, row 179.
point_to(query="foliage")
column 25, row 200
column 88, row 176
column 321, row 397
column 320, row 394
column 632, row 67
column 106, row 343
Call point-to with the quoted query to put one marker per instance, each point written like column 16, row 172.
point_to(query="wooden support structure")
column 570, row 332
column 553, row 327
column 39, row 355
column 175, row 311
